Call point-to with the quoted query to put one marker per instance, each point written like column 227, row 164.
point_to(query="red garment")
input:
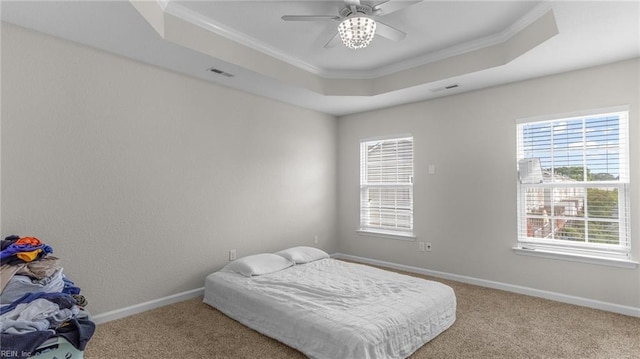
column 32, row 241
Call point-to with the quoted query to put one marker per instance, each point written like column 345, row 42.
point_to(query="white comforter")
column 337, row 310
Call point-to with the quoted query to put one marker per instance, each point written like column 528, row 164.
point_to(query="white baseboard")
column 143, row 307
column 558, row 297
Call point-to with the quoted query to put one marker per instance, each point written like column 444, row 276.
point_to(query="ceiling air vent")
column 219, row 72
column 445, row 88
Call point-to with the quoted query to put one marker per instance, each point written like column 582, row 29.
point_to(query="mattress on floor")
column 334, row 309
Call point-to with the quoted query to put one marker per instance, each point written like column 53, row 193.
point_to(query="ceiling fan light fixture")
column 357, row 32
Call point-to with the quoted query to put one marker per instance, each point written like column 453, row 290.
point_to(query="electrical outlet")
column 428, row 246
column 232, row 255
column 315, row 239
column 421, row 246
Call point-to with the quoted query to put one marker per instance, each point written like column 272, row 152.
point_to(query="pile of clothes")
column 37, row 301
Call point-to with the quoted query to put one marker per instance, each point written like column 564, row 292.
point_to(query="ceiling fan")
column 359, row 22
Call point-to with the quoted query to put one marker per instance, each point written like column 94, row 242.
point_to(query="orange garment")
column 33, row 241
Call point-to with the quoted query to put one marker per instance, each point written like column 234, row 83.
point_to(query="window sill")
column 385, row 234
column 544, row 253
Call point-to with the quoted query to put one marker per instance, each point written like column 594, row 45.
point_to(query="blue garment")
column 63, row 300
column 78, row 331
column 9, row 253
column 69, row 286
column 19, row 285
column 20, row 346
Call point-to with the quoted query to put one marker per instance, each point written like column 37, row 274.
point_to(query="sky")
column 593, row 141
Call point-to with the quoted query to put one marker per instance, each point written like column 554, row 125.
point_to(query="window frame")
column 618, row 255
column 365, row 227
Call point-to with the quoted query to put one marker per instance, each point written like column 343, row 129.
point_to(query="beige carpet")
column 490, row 324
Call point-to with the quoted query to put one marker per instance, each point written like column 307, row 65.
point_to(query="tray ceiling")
column 471, row 44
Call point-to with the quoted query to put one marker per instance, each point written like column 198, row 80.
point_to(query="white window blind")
column 573, row 185
column 386, row 186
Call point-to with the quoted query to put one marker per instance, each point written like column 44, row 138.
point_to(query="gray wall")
column 142, row 180
column 467, row 209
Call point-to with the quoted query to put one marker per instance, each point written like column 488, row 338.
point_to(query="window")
column 573, row 197
column 386, row 186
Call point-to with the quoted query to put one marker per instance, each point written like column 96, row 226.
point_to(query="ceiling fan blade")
column 387, row 7
column 389, row 32
column 335, row 40
column 309, row 17
column 351, row 2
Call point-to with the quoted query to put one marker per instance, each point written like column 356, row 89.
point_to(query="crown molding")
column 177, row 10
column 487, row 41
column 197, row 19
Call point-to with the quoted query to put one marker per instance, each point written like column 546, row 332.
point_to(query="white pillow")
column 301, row 255
column 258, row 264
